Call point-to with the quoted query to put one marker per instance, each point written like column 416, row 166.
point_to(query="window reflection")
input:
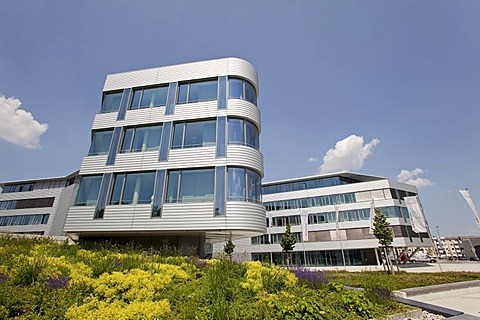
column 133, row 188
column 88, row 190
column 197, row 91
column 100, row 142
column 111, row 102
column 194, row 134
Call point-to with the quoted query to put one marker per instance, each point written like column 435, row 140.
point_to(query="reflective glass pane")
column 250, row 94
column 251, row 135
column 138, row 188
column 235, row 131
column 100, row 142
column 236, row 184
column 235, row 88
column 172, row 188
column 178, row 135
column 202, row 91
column 147, row 138
column 198, row 134
column 111, row 102
column 88, row 191
column 136, row 99
column 197, row 185
column 117, row 189
column 253, row 186
column 182, row 93
column 154, row 97
column 127, row 140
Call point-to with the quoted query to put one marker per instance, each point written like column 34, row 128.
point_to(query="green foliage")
column 288, row 240
column 228, row 248
column 381, row 229
column 40, row 279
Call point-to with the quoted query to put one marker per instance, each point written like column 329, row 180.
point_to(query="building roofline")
column 71, row 175
column 346, row 174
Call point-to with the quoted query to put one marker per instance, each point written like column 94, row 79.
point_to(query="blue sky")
column 375, row 87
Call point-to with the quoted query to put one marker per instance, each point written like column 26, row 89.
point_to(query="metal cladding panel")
column 197, row 110
column 238, row 155
column 93, row 164
column 193, row 157
column 139, row 116
column 57, row 218
column 30, row 195
column 79, row 218
column 105, row 120
column 26, row 229
column 244, row 109
column 182, row 72
column 243, row 69
column 131, row 79
column 403, row 186
column 346, row 188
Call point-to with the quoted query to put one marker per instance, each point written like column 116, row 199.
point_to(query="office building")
column 174, row 158
column 36, row 206
column 311, row 206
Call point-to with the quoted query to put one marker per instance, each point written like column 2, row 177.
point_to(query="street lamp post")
column 439, row 244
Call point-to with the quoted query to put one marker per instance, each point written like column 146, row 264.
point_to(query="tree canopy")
column 381, row 229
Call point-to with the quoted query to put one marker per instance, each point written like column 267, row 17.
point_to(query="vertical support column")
column 124, row 104
column 222, row 93
column 221, row 137
column 172, row 94
column 159, row 193
column 220, row 191
column 165, row 144
column 102, row 196
column 114, row 145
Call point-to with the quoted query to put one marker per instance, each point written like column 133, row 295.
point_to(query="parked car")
column 421, row 257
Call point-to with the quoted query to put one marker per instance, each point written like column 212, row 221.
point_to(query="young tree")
column 383, row 232
column 288, row 243
column 228, row 249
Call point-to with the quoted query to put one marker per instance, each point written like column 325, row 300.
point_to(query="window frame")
column 188, row 93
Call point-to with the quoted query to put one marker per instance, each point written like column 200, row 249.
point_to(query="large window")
column 191, row 185
column 243, row 132
column 17, row 188
column 88, row 190
column 141, row 139
column 100, row 142
column 23, row 220
column 310, row 202
column 133, row 188
column 197, row 91
column 243, row 185
column 242, row 89
column 194, row 134
column 27, row 203
column 149, row 97
column 111, row 102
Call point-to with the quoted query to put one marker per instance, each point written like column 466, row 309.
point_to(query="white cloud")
column 348, row 154
column 18, row 126
column 312, row 159
column 412, row 177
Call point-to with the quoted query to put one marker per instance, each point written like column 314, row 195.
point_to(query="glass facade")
column 307, row 184
column 111, row 102
column 149, row 97
column 100, row 142
column 141, row 139
column 319, row 201
column 243, row 185
column 197, row 91
column 88, row 190
column 27, row 203
column 242, row 89
column 23, row 220
column 191, row 186
column 194, row 134
column 133, row 188
column 243, row 132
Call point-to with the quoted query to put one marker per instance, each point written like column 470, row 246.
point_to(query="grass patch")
column 398, row 281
